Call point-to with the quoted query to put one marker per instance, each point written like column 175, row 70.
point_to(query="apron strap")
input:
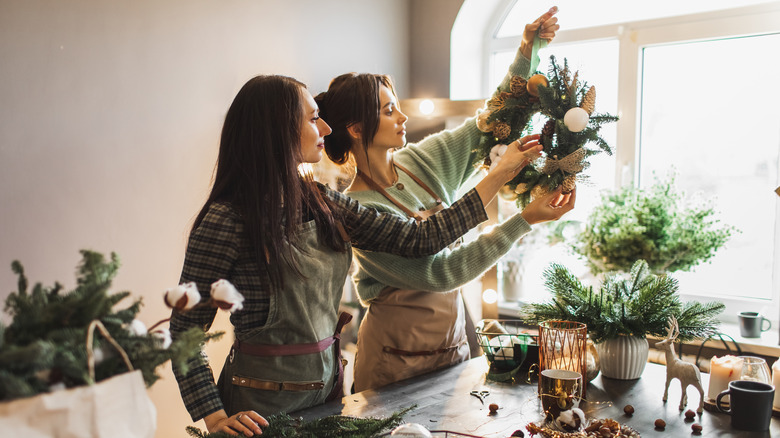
column 338, row 390
column 373, row 184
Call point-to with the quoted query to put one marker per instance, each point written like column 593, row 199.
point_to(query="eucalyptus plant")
column 638, row 304
column 657, row 224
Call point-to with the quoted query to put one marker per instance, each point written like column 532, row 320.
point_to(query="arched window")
column 694, row 84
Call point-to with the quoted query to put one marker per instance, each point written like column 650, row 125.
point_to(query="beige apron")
column 406, row 333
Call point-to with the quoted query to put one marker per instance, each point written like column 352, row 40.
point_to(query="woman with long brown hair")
column 415, row 320
column 283, row 240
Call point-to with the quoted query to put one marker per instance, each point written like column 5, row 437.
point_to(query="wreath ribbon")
column 572, row 163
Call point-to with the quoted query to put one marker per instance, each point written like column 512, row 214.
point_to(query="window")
column 696, row 91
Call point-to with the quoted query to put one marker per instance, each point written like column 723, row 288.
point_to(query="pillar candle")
column 722, row 371
column 776, row 383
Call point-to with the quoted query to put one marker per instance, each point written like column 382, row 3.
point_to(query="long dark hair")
column 257, row 173
column 351, row 98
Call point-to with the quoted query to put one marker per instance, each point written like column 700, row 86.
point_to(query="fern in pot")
column 622, row 313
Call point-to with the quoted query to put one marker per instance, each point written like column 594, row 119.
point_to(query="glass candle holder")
column 563, row 346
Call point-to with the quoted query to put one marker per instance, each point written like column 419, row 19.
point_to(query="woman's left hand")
column 546, row 26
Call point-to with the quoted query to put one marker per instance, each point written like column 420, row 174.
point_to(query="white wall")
column 110, row 114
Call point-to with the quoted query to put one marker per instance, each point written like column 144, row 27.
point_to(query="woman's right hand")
column 247, row 422
column 518, row 154
column 549, row 207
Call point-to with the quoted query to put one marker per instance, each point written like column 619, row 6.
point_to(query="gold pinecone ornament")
column 589, row 101
column 517, row 85
column 569, row 183
column 502, row 130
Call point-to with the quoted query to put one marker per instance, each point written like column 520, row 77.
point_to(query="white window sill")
column 767, row 345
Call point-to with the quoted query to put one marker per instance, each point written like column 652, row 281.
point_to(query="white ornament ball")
column 576, row 119
column 411, row 430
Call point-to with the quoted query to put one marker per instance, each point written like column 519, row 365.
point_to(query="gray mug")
column 750, row 404
column 751, row 324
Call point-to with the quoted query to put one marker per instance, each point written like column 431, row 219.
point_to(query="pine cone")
column 589, row 101
column 501, row 131
column 518, row 86
column 549, row 128
column 569, row 183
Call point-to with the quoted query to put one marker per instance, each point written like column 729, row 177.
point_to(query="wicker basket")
column 505, row 345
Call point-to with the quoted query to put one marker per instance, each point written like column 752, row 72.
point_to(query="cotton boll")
column 502, row 150
column 182, row 297
column 411, row 430
column 571, row 420
column 226, row 296
column 137, row 328
column 163, row 338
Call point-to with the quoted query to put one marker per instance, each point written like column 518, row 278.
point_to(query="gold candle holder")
column 563, row 346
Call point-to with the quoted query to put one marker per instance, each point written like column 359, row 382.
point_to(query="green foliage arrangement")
column 637, row 305
column 655, row 224
column 44, row 347
column 332, row 426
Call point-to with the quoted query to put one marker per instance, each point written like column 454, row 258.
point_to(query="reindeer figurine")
column 687, row 373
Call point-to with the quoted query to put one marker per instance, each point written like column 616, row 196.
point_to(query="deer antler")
column 675, row 327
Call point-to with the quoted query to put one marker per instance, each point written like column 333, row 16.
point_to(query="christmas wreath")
column 569, row 104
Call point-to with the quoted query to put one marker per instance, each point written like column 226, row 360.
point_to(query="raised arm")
column 448, row 154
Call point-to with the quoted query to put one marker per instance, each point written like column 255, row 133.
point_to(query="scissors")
column 480, row 395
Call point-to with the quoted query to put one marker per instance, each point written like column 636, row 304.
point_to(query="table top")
column 444, row 403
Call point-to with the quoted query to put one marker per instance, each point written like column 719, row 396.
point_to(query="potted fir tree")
column 622, row 313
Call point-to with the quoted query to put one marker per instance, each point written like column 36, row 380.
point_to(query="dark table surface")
column 443, row 403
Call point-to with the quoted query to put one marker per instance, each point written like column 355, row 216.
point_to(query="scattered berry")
column 629, row 410
column 696, row 428
column 689, row 414
column 493, row 408
column 518, row 433
column 660, row 424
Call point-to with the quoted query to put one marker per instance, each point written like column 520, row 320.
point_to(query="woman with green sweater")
column 415, row 320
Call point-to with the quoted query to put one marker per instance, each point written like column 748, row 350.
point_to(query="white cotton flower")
column 182, row 297
column 502, row 150
column 163, row 338
column 226, row 296
column 137, row 328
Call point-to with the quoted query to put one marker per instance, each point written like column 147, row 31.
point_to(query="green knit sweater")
column 445, row 162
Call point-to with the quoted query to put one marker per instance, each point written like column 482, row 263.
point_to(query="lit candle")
column 722, row 371
column 776, row 382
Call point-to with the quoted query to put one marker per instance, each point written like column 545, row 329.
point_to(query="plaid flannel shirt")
column 218, row 249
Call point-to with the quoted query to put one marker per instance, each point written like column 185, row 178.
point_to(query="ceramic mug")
column 751, row 324
column 560, row 390
column 750, row 404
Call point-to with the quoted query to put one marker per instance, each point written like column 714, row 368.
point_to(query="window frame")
column 633, row 38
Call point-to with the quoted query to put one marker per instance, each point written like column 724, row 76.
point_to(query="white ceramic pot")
column 623, row 358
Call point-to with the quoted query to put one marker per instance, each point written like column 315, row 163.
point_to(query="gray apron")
column 293, row 361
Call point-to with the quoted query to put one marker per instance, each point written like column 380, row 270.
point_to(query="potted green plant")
column 657, row 224
column 622, row 313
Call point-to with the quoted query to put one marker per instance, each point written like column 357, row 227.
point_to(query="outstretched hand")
column 546, row 26
column 549, row 207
